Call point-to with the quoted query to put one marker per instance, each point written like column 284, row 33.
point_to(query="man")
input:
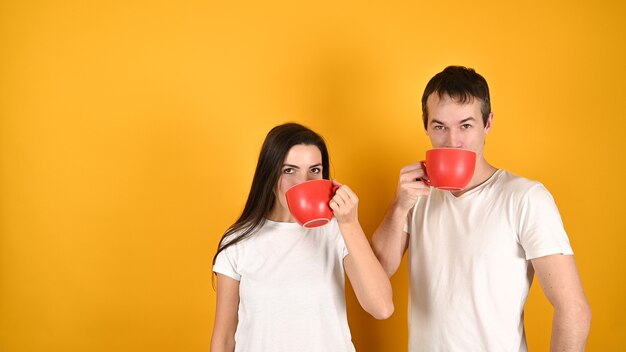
column 472, row 253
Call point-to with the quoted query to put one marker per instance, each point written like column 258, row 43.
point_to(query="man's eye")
column 466, row 126
column 316, row 170
column 438, row 127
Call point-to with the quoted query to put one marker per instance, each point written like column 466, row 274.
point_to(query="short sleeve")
column 407, row 223
column 541, row 230
column 226, row 263
column 342, row 249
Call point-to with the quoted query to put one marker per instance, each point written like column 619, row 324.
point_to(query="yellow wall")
column 129, row 132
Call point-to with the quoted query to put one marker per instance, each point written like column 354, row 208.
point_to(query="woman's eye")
column 316, row 170
column 288, row 170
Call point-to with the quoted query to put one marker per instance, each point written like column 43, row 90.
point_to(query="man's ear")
column 489, row 123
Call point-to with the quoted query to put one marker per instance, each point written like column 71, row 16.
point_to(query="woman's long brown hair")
column 261, row 198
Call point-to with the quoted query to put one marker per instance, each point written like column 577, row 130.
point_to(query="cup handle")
column 425, row 180
column 334, row 190
column 335, row 186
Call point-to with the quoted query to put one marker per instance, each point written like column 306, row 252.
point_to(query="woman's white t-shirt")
column 291, row 289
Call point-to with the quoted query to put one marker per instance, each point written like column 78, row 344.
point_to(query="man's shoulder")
column 508, row 181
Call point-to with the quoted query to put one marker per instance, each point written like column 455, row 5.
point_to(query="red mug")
column 449, row 169
column 308, row 202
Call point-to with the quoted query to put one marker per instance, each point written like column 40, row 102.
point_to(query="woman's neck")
column 280, row 214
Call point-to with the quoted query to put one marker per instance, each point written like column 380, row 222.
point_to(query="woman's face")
column 302, row 163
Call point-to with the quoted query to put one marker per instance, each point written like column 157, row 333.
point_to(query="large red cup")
column 308, row 202
column 450, row 169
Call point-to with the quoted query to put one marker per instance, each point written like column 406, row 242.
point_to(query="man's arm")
column 561, row 284
column 389, row 241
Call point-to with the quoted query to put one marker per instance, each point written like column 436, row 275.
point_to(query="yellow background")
column 129, row 132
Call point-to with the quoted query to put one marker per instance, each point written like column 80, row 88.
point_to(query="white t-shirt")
column 469, row 263
column 291, row 289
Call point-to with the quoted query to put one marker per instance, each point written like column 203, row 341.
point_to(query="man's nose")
column 453, row 139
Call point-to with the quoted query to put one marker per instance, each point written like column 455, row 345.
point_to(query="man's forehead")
column 441, row 97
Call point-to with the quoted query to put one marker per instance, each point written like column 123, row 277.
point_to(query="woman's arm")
column 367, row 277
column 226, row 319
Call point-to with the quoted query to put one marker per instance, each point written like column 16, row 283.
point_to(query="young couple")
column 472, row 253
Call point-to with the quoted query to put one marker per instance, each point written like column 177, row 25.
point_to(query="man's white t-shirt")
column 469, row 263
column 291, row 289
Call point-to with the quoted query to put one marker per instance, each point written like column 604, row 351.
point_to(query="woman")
column 280, row 287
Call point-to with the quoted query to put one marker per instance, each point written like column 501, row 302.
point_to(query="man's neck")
column 482, row 173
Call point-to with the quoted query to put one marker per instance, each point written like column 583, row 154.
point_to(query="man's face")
column 454, row 125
